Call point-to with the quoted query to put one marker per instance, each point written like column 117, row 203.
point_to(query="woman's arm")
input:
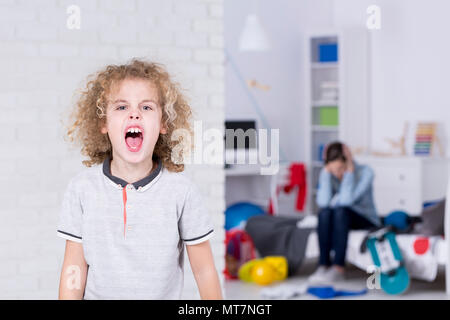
column 205, row 274
column 350, row 191
column 74, row 272
column 324, row 192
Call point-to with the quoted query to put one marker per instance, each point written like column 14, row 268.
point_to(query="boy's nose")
column 134, row 114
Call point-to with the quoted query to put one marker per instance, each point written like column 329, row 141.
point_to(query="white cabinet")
column 405, row 183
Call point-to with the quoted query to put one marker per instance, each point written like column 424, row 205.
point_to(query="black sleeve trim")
column 198, row 237
column 69, row 234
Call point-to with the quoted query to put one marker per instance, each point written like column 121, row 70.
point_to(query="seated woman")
column 346, row 202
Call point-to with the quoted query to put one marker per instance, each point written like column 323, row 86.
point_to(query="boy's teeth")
column 134, row 130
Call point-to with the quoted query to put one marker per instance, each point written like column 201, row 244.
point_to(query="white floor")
column 355, row 280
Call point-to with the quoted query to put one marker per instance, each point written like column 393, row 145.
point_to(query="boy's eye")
column 147, row 108
column 121, row 107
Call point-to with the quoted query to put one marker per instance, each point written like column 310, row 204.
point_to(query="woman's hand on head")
column 349, row 158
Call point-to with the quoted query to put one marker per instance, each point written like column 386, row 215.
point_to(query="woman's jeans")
column 333, row 229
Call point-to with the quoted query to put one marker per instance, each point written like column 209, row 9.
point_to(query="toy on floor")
column 239, row 246
column 330, row 292
column 264, row 271
column 239, row 250
column 386, row 255
column 285, row 290
column 237, row 214
column 290, row 290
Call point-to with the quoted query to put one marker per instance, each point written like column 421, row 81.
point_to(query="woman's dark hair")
column 334, row 151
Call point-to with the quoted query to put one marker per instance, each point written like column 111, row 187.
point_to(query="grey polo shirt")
column 133, row 235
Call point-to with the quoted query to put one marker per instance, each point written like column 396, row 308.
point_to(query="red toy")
column 239, row 250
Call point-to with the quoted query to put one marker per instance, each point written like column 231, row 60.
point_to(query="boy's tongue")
column 134, row 142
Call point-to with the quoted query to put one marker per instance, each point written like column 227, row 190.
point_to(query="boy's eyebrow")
column 120, row 100
column 125, row 101
column 149, row 100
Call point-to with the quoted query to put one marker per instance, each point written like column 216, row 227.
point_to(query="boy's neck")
column 131, row 172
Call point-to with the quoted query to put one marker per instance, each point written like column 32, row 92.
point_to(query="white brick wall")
column 42, row 64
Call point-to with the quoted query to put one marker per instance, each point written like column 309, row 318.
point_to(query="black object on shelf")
column 250, row 143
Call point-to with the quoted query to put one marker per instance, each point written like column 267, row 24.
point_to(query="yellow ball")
column 245, row 270
column 262, row 273
column 279, row 265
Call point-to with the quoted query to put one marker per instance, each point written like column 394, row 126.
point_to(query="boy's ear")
column 163, row 129
column 104, row 130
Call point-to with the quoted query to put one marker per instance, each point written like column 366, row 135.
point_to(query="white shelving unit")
column 324, row 103
column 324, row 65
column 350, row 75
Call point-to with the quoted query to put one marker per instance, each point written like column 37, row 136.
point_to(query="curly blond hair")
column 90, row 111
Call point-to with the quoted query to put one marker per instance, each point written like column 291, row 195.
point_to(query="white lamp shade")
column 253, row 37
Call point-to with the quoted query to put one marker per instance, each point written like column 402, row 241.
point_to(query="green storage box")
column 329, row 116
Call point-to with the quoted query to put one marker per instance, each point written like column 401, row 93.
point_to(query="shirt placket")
column 128, row 193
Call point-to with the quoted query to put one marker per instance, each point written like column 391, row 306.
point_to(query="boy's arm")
column 205, row 274
column 74, row 272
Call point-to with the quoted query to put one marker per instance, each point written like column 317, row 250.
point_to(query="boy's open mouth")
column 134, row 138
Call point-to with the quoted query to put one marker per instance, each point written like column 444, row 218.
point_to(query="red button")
column 421, row 245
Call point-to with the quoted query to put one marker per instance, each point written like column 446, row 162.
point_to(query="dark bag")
column 279, row 236
column 433, row 220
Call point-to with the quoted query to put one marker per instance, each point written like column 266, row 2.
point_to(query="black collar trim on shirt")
column 141, row 183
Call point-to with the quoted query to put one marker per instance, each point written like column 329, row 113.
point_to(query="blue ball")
column 237, row 214
column 398, row 219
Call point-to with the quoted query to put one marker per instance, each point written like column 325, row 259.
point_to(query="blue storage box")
column 328, row 52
